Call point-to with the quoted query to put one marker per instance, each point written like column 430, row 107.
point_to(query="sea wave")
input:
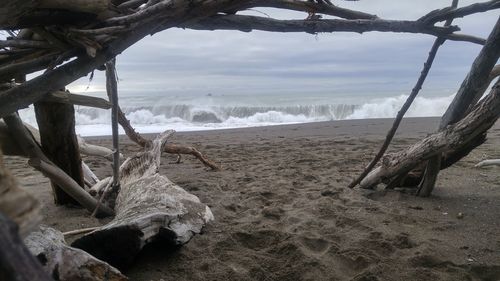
column 186, row 117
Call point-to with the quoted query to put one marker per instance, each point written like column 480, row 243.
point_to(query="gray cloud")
column 180, row 61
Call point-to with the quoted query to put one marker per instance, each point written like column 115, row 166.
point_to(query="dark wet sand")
column 283, row 213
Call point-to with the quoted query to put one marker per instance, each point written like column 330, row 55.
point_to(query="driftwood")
column 56, row 122
column 66, row 263
column 472, row 89
column 16, row 261
column 103, row 40
column 489, row 162
column 94, row 150
column 399, row 117
column 40, row 162
column 88, row 176
column 134, row 136
column 75, row 99
column 148, row 207
column 483, row 116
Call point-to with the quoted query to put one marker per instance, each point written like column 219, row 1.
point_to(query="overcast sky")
column 180, row 61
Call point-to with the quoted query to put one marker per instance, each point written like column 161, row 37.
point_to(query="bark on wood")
column 112, row 91
column 16, row 261
column 66, row 97
column 43, row 164
column 473, row 86
column 56, row 123
column 65, row 263
column 453, row 137
column 470, row 92
column 149, row 207
column 88, row 6
column 16, row 203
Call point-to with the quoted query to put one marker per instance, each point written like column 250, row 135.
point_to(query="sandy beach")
column 283, row 212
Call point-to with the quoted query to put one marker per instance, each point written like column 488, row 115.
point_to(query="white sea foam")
column 158, row 117
column 389, row 107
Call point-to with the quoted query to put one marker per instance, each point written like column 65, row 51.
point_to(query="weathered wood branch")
column 18, row 43
column 39, row 161
column 471, row 90
column 399, row 117
column 193, row 15
column 475, row 83
column 16, row 261
column 94, row 150
column 8, row 72
column 89, row 177
column 248, row 23
column 181, row 149
column 67, row 263
column 489, row 162
column 306, row 6
column 477, row 122
column 112, row 92
column 70, row 186
column 75, row 99
column 447, row 13
column 148, row 207
column 56, row 123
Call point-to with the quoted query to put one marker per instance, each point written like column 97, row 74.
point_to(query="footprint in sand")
column 316, row 246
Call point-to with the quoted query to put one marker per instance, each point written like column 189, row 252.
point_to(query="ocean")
column 154, row 112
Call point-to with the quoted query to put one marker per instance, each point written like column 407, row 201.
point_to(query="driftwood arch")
column 69, row 39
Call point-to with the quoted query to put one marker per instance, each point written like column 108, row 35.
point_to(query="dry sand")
column 283, row 212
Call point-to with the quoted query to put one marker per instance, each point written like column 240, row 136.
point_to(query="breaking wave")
column 185, row 117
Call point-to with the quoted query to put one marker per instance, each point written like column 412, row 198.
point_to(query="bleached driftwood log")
column 89, row 177
column 148, row 207
column 67, row 263
column 16, row 261
column 489, row 162
column 481, row 118
column 95, row 150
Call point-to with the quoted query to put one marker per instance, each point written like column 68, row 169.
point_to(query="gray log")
column 148, row 207
column 65, row 263
column 484, row 115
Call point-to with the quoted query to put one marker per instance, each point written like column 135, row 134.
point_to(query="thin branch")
column 306, row 6
column 450, row 13
column 24, row 44
column 26, row 66
column 248, row 23
column 414, row 92
column 80, row 231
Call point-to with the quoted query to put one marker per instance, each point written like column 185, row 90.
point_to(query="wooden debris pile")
column 67, row 40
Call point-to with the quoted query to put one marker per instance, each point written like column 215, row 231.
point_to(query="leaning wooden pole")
column 112, row 89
